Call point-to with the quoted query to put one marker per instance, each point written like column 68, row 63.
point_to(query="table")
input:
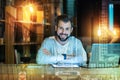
column 47, row 72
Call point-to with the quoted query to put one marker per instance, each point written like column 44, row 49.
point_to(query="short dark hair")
column 63, row 18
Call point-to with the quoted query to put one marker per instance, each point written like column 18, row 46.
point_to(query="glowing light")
column 28, row 11
column 114, row 32
column 31, row 8
column 99, row 32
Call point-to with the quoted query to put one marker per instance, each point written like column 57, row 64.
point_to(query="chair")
column 17, row 57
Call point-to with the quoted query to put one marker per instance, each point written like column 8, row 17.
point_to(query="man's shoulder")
column 51, row 38
column 73, row 38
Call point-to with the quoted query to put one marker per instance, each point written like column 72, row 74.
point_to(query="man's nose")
column 63, row 31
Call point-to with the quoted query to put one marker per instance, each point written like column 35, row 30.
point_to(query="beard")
column 63, row 39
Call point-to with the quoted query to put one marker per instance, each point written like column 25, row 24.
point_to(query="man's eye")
column 60, row 28
column 67, row 28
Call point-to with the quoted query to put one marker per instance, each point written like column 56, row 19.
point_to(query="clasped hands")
column 66, row 56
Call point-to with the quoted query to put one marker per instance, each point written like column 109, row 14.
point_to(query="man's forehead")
column 64, row 22
column 67, row 24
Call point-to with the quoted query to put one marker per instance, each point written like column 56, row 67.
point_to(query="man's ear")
column 71, row 29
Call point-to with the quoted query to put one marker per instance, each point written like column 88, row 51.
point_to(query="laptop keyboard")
column 100, row 77
column 102, row 64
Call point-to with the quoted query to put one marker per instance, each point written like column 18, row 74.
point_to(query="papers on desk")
column 65, row 65
column 34, row 66
column 67, row 73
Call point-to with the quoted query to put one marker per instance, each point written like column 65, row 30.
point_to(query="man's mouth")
column 63, row 36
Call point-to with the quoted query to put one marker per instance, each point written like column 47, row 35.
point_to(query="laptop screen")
column 104, row 55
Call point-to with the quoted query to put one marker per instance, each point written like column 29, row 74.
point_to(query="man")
column 61, row 48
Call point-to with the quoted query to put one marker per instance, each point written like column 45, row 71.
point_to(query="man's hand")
column 46, row 52
column 70, row 56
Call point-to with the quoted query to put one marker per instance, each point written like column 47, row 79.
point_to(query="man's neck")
column 61, row 42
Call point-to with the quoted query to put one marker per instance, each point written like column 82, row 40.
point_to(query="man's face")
column 63, row 30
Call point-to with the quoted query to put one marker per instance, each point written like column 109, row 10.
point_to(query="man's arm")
column 79, row 52
column 81, row 59
column 44, row 55
column 79, row 55
column 43, row 58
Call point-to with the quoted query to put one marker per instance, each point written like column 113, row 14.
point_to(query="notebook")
column 104, row 55
column 64, row 65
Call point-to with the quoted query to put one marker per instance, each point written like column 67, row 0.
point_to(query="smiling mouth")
column 63, row 35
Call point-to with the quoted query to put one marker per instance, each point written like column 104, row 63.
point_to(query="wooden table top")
column 47, row 72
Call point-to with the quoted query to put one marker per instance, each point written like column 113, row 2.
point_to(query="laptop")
column 104, row 55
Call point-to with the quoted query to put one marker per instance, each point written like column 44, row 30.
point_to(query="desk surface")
column 47, row 72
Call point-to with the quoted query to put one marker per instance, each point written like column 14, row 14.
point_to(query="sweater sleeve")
column 79, row 52
column 43, row 58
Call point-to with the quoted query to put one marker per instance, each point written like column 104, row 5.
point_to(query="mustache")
column 63, row 34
